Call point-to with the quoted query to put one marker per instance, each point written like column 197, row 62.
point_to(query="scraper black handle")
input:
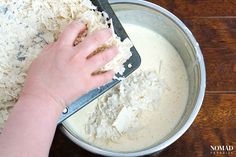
column 104, row 5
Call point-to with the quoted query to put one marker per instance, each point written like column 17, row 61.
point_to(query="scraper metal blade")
column 135, row 61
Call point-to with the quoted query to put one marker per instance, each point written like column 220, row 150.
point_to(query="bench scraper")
column 135, row 61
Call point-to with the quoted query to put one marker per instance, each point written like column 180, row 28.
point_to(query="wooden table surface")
column 213, row 23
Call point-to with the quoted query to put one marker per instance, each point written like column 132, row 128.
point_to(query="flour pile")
column 118, row 111
column 26, row 26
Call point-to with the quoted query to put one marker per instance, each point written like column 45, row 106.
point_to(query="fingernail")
column 80, row 23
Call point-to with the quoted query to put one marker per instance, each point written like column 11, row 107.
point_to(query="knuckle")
column 97, row 37
column 103, row 79
column 61, row 41
column 104, row 57
column 101, row 35
column 75, row 25
column 76, row 60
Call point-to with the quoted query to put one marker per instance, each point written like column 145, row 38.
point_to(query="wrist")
column 42, row 100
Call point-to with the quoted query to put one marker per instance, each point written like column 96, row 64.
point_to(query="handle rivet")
column 65, row 110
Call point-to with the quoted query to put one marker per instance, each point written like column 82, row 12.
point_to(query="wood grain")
column 213, row 23
column 199, row 8
column 217, row 39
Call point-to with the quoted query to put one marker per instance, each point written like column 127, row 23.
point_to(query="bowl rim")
column 195, row 110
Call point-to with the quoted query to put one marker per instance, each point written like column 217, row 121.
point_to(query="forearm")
column 30, row 128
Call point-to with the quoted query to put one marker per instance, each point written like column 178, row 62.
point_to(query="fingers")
column 93, row 41
column 102, row 79
column 71, row 32
column 102, row 58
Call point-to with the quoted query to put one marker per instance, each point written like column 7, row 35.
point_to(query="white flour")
column 119, row 110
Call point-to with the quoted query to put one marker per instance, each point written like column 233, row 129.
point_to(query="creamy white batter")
column 157, row 54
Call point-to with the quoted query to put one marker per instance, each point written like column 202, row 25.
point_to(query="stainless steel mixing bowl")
column 168, row 25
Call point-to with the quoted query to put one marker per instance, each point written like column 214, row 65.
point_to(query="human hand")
column 62, row 72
